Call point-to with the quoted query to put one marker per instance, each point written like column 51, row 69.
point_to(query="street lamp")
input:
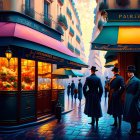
column 8, row 55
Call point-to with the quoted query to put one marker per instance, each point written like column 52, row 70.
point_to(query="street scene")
column 69, row 69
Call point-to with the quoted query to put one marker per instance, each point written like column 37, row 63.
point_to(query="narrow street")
column 74, row 125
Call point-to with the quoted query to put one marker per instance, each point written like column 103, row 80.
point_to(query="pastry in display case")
column 8, row 74
column 27, row 75
column 58, row 84
column 44, row 76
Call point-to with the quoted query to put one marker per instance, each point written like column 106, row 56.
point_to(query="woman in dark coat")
column 132, row 100
column 80, row 90
column 93, row 96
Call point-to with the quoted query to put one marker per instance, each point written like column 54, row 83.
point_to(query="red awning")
column 26, row 33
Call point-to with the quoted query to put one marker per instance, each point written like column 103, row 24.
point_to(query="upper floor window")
column 46, row 8
column 28, row 4
column 1, row 5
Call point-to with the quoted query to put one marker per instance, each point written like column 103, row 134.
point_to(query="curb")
column 14, row 129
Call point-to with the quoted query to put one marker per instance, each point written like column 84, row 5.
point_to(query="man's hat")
column 131, row 68
column 116, row 69
column 106, row 77
column 79, row 79
column 93, row 68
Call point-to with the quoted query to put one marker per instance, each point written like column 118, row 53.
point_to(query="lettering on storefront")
column 123, row 15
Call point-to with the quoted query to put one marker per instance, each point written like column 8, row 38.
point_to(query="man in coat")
column 116, row 89
column 80, row 90
column 132, row 100
column 68, row 89
column 93, row 96
column 72, row 89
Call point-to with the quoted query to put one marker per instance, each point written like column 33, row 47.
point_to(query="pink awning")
column 26, row 33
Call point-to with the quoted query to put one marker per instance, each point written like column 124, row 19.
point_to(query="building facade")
column 32, row 47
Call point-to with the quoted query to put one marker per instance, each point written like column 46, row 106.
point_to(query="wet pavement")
column 74, row 125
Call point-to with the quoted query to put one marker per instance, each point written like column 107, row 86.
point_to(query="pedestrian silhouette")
column 75, row 93
column 72, row 89
column 80, row 90
column 132, row 100
column 106, row 87
column 68, row 89
column 93, row 96
column 116, row 89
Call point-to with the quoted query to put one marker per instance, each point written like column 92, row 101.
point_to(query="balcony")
column 78, row 39
column 60, row 29
column 77, row 51
column 61, row 2
column 29, row 12
column 71, row 32
column 69, row 13
column 47, row 21
column 62, row 21
column 70, row 47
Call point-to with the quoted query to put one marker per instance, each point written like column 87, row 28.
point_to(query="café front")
column 121, row 34
column 28, row 51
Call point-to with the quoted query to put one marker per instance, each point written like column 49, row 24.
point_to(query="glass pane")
column 8, row 74
column 27, row 75
column 44, row 76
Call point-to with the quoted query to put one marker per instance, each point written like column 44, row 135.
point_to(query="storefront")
column 121, row 34
column 26, row 85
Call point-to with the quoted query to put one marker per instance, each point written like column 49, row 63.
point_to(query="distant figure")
column 75, row 93
column 80, row 90
column 93, row 96
column 72, row 89
column 106, row 86
column 68, row 89
column 132, row 100
column 116, row 89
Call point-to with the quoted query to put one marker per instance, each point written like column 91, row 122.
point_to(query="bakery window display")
column 8, row 74
column 44, row 76
column 27, row 75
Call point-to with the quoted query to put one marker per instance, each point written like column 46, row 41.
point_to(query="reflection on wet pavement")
column 74, row 125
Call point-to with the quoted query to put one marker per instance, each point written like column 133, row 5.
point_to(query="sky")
column 85, row 10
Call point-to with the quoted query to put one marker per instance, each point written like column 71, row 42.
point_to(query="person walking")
column 72, row 89
column 93, row 96
column 106, row 86
column 116, row 89
column 80, row 90
column 68, row 89
column 132, row 100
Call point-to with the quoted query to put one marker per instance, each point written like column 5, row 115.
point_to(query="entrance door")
column 43, row 102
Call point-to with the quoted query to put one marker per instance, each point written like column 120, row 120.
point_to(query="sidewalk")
column 69, row 106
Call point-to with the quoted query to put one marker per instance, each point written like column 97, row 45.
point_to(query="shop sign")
column 123, row 15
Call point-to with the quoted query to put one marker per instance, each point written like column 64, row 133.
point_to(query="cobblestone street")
column 74, row 125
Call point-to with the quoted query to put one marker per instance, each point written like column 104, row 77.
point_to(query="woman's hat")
column 93, row 68
column 116, row 69
column 131, row 68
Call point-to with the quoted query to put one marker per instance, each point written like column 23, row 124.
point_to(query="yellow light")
column 8, row 54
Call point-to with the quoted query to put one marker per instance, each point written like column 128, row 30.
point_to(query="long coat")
column 80, row 91
column 117, row 87
column 93, row 96
column 68, row 90
column 72, row 89
column 132, row 101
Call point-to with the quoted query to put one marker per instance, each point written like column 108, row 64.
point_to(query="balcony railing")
column 78, row 38
column 45, row 19
column 71, row 32
column 77, row 51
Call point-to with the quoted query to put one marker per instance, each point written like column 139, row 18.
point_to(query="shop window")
column 44, row 76
column 8, row 74
column 1, row 5
column 27, row 75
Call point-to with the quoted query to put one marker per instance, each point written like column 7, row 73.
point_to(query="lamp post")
column 8, row 55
